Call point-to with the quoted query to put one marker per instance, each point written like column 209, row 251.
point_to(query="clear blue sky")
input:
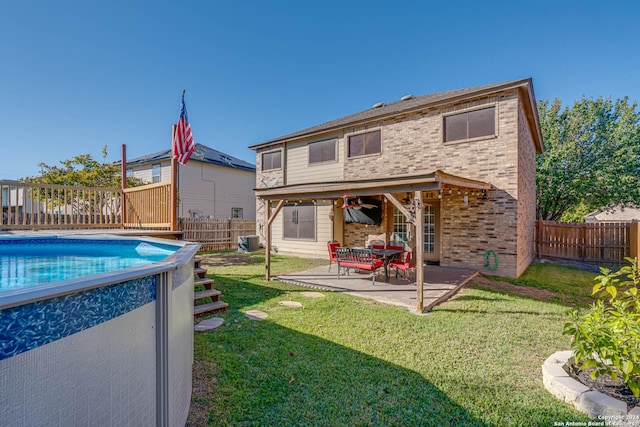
column 78, row 75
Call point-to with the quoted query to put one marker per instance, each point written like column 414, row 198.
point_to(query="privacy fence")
column 601, row 243
column 216, row 234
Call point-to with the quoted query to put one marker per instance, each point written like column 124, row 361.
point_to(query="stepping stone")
column 207, row 324
column 312, row 294
column 256, row 315
column 290, row 303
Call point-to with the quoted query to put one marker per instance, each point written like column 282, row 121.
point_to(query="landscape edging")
column 593, row 403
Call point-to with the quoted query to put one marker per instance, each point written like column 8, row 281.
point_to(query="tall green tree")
column 591, row 159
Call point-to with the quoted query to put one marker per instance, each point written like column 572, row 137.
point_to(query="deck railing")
column 39, row 206
column 148, row 206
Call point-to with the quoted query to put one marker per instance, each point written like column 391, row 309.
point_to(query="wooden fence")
column 602, row 243
column 148, row 206
column 216, row 234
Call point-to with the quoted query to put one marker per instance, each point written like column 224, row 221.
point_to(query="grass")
column 343, row 360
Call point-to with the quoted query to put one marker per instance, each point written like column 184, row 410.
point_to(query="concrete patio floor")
column 440, row 283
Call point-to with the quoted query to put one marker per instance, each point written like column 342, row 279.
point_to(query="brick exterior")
column 503, row 221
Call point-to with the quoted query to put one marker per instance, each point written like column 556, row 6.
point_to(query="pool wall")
column 118, row 354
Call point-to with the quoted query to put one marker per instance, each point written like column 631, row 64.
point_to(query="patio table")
column 386, row 254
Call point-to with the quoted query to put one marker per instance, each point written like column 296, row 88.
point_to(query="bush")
column 607, row 337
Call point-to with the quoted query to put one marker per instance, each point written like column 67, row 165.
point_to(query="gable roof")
column 615, row 213
column 525, row 86
column 202, row 153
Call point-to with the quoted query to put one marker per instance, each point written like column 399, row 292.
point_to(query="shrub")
column 607, row 337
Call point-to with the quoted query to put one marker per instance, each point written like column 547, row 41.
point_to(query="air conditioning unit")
column 248, row 244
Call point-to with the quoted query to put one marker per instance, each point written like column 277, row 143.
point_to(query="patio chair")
column 405, row 263
column 332, row 245
column 376, row 244
column 396, row 245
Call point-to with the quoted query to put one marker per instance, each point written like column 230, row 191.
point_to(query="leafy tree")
column 591, row 159
column 81, row 171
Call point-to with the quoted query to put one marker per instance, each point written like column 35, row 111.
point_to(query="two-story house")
column 462, row 160
column 211, row 184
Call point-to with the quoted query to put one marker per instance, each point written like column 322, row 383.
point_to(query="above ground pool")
column 33, row 261
column 95, row 330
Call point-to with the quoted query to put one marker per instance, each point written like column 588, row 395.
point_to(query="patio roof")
column 366, row 187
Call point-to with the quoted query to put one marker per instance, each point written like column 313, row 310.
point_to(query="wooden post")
column 174, row 186
column 123, row 211
column 419, row 227
column 267, row 243
column 634, row 239
column 267, row 235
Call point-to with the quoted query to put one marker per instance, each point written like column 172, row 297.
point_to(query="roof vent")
column 406, row 97
column 378, row 105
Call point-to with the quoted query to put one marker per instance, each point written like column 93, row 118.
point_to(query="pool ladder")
column 200, row 298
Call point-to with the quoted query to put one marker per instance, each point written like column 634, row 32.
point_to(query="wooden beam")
column 419, row 226
column 395, row 202
column 267, row 246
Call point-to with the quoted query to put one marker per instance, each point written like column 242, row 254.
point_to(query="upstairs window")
column 365, row 143
column 271, row 160
column 322, row 151
column 472, row 124
column 155, row 173
column 236, row 213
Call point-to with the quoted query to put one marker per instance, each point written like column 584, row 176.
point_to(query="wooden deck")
column 440, row 283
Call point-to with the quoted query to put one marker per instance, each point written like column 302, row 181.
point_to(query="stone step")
column 203, row 308
column 211, row 293
column 200, row 272
column 207, row 283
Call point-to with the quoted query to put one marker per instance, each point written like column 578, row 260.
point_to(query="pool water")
column 32, row 262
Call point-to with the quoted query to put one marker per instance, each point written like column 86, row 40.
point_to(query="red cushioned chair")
column 404, row 263
column 332, row 245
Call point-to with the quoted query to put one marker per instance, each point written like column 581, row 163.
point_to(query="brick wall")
column 504, row 221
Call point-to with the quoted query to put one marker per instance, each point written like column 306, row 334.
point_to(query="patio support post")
column 419, row 224
column 267, row 236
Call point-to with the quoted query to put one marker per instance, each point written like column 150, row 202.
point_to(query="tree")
column 81, row 171
column 591, row 159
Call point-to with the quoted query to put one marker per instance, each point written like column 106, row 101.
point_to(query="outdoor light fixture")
column 466, row 198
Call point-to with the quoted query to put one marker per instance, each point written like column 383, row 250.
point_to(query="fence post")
column 634, row 239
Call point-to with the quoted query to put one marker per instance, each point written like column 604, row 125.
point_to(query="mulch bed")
column 604, row 384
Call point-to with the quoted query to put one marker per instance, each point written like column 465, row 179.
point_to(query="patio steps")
column 208, row 299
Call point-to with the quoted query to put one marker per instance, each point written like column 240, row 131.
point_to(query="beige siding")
column 211, row 190
column 208, row 190
column 144, row 172
column 298, row 170
column 305, row 248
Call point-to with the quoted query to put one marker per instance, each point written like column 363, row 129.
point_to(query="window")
column 364, row 143
column 400, row 228
column 299, row 221
column 271, row 160
column 322, row 151
column 236, row 213
column 472, row 124
column 155, row 173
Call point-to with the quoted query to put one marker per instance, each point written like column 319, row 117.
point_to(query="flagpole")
column 174, row 185
column 124, row 185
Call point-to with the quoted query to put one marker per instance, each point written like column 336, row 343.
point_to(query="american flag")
column 183, row 144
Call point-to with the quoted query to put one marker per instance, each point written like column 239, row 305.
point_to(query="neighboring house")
column 469, row 154
column 615, row 214
column 212, row 184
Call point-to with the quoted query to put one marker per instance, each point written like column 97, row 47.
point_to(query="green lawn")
column 342, row 360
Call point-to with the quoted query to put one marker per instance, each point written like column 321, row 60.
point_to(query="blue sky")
column 78, row 75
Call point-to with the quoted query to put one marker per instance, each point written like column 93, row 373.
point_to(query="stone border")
column 591, row 402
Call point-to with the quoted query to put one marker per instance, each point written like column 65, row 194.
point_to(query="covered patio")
column 388, row 188
column 439, row 284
